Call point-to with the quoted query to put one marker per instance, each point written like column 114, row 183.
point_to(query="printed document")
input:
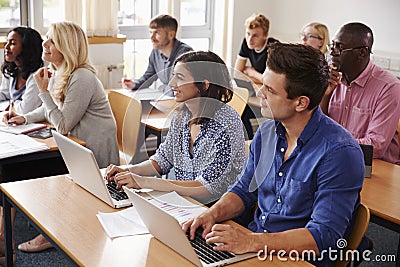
column 13, row 145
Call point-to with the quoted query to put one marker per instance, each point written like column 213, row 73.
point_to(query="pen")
column 10, row 107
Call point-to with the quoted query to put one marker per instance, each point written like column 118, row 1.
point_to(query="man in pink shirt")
column 362, row 97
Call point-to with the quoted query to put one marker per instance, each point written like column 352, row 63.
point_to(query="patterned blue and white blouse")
column 218, row 153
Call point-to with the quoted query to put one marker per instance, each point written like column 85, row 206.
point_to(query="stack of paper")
column 13, row 145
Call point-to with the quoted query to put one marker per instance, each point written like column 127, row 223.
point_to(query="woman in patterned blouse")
column 205, row 142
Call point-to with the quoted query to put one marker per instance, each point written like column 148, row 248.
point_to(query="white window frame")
column 31, row 14
column 185, row 32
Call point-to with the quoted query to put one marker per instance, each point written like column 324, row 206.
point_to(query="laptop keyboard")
column 205, row 251
column 115, row 193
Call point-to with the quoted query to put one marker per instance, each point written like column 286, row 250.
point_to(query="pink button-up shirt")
column 369, row 108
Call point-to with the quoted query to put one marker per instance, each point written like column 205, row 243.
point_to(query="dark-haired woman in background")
column 22, row 57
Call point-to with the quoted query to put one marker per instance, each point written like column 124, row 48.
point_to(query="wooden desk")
column 67, row 217
column 34, row 165
column 380, row 194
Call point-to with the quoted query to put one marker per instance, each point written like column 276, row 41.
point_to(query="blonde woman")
column 74, row 100
column 316, row 35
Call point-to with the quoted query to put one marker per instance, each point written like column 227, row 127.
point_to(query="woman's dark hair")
column 30, row 56
column 206, row 65
column 207, row 68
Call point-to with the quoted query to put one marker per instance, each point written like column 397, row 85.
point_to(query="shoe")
column 37, row 244
column 3, row 260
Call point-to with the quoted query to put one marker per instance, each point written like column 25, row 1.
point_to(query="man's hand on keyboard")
column 230, row 238
column 205, row 220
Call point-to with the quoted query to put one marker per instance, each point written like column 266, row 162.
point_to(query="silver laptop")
column 84, row 171
column 166, row 228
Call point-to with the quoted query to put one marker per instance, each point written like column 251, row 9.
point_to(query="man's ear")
column 171, row 34
column 302, row 103
column 364, row 52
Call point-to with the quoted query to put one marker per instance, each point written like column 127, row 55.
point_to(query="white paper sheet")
column 4, row 105
column 128, row 222
column 122, row 223
column 13, row 145
column 177, row 206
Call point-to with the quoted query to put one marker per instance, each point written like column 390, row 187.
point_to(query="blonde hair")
column 71, row 41
column 322, row 32
column 257, row 20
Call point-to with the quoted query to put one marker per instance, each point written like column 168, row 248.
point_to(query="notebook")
column 166, row 228
column 245, row 84
column 84, row 171
column 21, row 129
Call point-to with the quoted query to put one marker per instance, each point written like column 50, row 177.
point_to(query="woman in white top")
column 74, row 101
column 22, row 57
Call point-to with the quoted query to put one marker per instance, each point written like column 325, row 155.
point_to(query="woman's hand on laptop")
column 112, row 170
column 205, row 220
column 231, row 238
column 127, row 179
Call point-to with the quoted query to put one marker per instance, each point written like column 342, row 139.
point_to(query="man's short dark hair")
column 164, row 21
column 361, row 33
column 305, row 69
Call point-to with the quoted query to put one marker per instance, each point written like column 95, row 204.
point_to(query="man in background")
column 254, row 48
column 166, row 48
column 363, row 97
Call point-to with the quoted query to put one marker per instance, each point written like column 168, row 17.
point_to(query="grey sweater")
column 85, row 114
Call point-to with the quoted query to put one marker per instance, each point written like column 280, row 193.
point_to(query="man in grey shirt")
column 166, row 48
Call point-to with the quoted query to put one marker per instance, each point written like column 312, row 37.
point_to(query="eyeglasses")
column 337, row 48
column 309, row 36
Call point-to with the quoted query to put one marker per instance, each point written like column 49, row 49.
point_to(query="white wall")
column 287, row 17
column 108, row 59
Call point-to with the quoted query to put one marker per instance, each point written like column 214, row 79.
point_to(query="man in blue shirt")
column 166, row 48
column 304, row 170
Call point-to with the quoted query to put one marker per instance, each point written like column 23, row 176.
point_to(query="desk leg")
column 158, row 134
column 398, row 254
column 8, row 231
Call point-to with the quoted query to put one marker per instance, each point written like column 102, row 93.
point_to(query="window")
column 44, row 12
column 134, row 16
column 53, row 11
column 9, row 14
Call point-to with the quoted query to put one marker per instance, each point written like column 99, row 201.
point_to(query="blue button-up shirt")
column 317, row 187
